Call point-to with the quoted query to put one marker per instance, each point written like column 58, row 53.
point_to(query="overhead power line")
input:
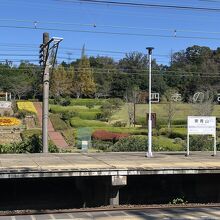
column 145, row 5
column 95, row 25
column 112, row 33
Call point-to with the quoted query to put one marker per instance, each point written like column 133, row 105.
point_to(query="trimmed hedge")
column 174, row 132
column 78, row 122
column 86, row 102
column 108, row 136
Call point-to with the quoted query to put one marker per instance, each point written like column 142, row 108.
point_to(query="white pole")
column 187, row 149
column 149, row 153
column 215, row 150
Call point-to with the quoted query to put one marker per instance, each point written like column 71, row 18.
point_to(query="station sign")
column 5, row 104
column 201, row 125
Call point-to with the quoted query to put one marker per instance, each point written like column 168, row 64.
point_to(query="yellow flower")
column 27, row 106
column 9, row 121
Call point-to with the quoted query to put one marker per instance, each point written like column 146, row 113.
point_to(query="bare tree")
column 205, row 106
column 171, row 106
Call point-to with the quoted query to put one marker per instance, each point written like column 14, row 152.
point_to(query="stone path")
column 55, row 136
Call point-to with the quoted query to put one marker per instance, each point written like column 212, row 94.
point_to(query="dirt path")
column 55, row 136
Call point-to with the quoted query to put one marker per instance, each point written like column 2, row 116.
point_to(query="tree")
column 84, row 79
column 61, row 81
column 170, row 106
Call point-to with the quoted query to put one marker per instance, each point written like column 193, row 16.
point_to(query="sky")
column 105, row 29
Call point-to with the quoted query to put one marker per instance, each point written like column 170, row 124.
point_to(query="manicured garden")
column 110, row 118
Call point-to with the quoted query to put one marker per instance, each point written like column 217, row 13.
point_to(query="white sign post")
column 201, row 125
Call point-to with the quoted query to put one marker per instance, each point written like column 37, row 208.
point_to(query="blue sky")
column 21, row 43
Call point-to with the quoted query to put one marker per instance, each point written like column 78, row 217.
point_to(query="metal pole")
column 45, row 107
column 149, row 153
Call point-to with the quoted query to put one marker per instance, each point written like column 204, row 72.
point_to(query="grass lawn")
column 182, row 111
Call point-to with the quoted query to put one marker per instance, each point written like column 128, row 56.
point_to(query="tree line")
column 191, row 70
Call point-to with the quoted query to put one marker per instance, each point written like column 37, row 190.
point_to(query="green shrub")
column 201, row 143
column 139, row 143
column 132, row 143
column 22, row 114
column 90, row 105
column 116, row 103
column 166, row 144
column 102, row 145
column 119, row 124
column 69, row 136
column 28, row 133
column 88, row 115
column 67, row 115
column 57, row 122
column 84, row 102
column 32, row 144
column 174, row 132
column 78, row 122
column 141, row 121
column 179, row 122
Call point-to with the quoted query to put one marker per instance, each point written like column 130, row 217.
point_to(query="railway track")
column 110, row 209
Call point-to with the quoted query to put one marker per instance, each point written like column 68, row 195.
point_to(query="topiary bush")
column 108, row 136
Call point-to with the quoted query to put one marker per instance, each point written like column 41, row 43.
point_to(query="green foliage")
column 67, row 115
column 177, row 201
column 84, row 80
column 139, row 143
column 85, row 102
column 166, row 144
column 132, row 143
column 78, row 122
column 69, row 136
column 102, row 145
column 32, row 144
column 22, row 114
column 119, row 124
column 61, row 83
column 201, row 143
column 62, row 101
column 28, row 133
column 174, row 133
column 90, row 105
column 88, row 115
column 57, row 122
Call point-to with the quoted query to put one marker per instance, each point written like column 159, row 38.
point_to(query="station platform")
column 106, row 164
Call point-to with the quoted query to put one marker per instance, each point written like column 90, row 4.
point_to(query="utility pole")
column 149, row 153
column 45, row 107
column 47, row 58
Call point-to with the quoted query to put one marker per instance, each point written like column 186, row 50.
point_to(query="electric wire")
column 144, row 5
column 113, row 33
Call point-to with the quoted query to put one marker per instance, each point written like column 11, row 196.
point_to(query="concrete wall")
column 77, row 192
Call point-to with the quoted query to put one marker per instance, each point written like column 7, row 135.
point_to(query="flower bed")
column 27, row 106
column 9, row 121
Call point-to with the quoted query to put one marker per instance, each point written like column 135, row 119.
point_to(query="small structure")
column 5, row 104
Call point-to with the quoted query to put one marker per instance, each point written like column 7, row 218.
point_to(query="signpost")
column 201, row 125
